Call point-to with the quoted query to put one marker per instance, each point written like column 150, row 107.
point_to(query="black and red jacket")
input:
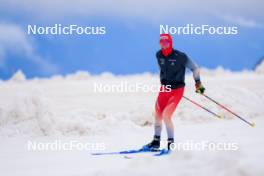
column 172, row 68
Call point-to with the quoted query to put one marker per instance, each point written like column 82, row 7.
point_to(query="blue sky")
column 132, row 34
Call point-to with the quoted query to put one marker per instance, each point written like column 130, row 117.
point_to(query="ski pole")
column 222, row 106
column 218, row 116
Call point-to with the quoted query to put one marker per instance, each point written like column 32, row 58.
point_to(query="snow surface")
column 67, row 108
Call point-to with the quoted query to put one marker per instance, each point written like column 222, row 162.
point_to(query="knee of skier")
column 158, row 113
column 168, row 111
column 158, row 120
column 158, row 117
column 167, row 119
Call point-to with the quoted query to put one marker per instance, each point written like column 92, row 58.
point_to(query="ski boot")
column 154, row 145
column 170, row 143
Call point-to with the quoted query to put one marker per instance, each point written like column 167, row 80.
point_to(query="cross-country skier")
column 172, row 64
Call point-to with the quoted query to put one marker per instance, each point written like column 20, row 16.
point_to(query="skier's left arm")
column 196, row 75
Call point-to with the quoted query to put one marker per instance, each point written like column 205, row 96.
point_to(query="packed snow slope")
column 68, row 107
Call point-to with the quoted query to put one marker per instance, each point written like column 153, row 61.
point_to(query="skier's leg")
column 167, row 117
column 161, row 103
column 168, row 112
column 158, row 120
column 154, row 145
column 159, row 107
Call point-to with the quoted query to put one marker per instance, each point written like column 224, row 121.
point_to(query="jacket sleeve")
column 194, row 68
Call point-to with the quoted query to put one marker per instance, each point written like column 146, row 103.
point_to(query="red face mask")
column 166, row 44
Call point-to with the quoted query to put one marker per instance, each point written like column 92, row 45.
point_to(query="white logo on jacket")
column 172, row 61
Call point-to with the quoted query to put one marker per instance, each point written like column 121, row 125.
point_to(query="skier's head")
column 166, row 44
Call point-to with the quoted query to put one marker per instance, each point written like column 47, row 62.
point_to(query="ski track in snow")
column 67, row 108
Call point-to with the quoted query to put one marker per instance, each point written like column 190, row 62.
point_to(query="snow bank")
column 69, row 106
column 26, row 112
column 260, row 67
column 18, row 77
column 32, row 113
